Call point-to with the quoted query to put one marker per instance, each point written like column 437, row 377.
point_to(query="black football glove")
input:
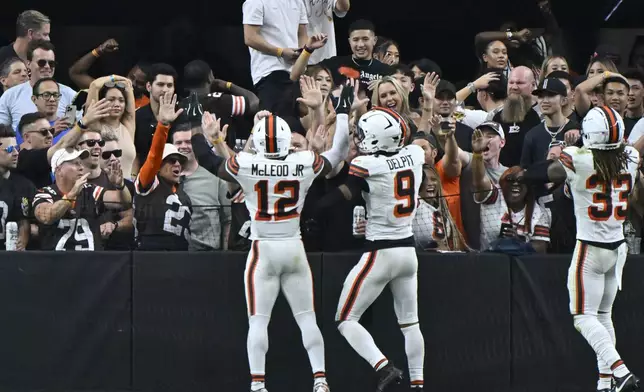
column 346, row 99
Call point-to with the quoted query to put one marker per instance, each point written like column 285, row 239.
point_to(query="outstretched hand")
column 167, row 106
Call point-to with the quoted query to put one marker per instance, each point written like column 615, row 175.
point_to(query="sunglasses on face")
column 45, row 132
column 172, row 161
column 92, row 143
column 114, row 84
column 10, row 149
column 48, row 96
column 42, row 63
column 107, row 154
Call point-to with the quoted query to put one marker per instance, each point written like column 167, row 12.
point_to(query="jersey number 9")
column 405, row 191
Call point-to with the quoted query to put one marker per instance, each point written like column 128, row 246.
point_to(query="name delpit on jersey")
column 275, row 170
column 401, row 162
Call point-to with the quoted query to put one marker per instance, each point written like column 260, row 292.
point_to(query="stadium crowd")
column 116, row 163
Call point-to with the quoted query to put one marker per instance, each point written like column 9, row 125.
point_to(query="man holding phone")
column 445, row 105
column 46, row 96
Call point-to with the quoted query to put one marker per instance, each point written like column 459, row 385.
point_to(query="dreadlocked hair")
column 610, row 163
column 455, row 240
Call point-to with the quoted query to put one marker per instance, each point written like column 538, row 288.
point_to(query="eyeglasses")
column 42, row 63
column 107, row 154
column 92, row 143
column 44, row 132
column 48, row 96
column 10, row 149
column 114, row 84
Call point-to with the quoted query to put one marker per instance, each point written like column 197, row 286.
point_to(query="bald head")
column 521, row 81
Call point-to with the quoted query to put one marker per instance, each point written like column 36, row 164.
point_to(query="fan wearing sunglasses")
column 16, row 191
column 92, row 141
column 116, row 226
column 118, row 91
column 37, row 150
column 16, row 102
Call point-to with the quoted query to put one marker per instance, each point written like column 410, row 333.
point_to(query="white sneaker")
column 321, row 387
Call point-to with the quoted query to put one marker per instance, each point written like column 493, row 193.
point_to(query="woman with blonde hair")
column 433, row 225
column 388, row 93
column 118, row 91
column 551, row 64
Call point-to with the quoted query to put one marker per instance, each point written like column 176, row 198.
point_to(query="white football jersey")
column 393, row 182
column 275, row 190
column 429, row 226
column 600, row 209
column 496, row 218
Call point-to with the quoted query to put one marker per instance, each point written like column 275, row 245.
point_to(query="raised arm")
column 316, row 41
column 481, row 184
column 78, row 71
column 429, row 92
column 94, row 113
column 167, row 115
column 340, row 148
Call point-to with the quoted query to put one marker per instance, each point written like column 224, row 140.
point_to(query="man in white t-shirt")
column 320, row 15
column 275, row 33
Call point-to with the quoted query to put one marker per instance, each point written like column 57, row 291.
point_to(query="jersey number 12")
column 290, row 193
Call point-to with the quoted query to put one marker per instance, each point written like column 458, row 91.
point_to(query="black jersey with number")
column 79, row 228
column 16, row 193
column 162, row 215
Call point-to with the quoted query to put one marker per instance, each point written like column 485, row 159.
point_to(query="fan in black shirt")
column 361, row 64
column 517, row 116
column 15, row 190
column 68, row 211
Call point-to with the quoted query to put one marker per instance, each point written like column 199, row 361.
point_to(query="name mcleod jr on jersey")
column 275, row 170
column 400, row 162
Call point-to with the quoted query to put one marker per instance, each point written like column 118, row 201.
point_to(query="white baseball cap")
column 66, row 155
column 170, row 149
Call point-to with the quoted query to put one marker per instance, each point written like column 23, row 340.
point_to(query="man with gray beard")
column 517, row 115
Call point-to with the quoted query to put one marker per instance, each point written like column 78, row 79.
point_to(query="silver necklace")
column 553, row 135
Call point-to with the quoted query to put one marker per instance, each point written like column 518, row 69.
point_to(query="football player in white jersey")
column 388, row 176
column 601, row 176
column 275, row 182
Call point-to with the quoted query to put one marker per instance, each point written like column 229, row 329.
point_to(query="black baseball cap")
column 552, row 86
column 446, row 87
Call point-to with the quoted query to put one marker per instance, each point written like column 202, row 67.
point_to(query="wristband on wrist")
column 308, row 50
column 279, row 52
column 218, row 140
column 477, row 155
column 71, row 202
column 470, row 86
column 509, row 35
column 81, row 125
column 95, row 53
column 120, row 187
column 116, row 225
column 229, row 85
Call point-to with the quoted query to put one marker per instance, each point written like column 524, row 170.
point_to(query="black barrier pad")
column 464, row 316
column 547, row 352
column 65, row 321
column 191, row 325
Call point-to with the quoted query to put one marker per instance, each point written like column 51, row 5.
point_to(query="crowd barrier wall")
column 177, row 322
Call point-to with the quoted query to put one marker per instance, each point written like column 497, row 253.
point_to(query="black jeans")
column 270, row 90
